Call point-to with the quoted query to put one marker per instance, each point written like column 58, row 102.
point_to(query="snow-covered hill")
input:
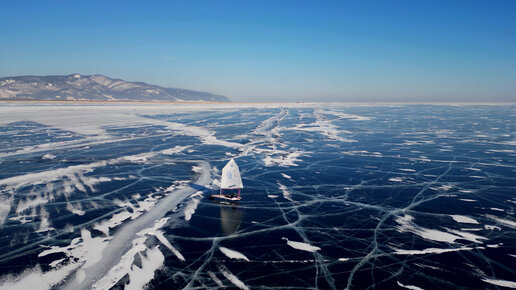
column 76, row 87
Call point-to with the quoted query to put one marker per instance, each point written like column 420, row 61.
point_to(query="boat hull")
column 225, row 198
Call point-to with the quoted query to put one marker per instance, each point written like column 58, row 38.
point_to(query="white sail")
column 231, row 176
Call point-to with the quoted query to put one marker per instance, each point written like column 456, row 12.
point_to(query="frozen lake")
column 335, row 196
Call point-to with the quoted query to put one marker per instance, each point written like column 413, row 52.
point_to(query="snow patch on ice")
column 286, row 176
column 44, row 225
column 117, row 219
column 160, row 236
column 206, row 136
column 75, row 209
column 324, row 127
column 55, row 263
column 490, row 227
column 430, row 251
column 178, row 184
column 467, row 200
column 505, row 222
column 114, row 221
column 5, row 208
column 70, row 172
column 232, row 278
column 48, row 156
column 86, row 253
column 36, row 279
column 139, row 158
column 364, row 153
column 58, row 182
column 29, row 203
column 176, row 150
column 467, row 236
column 412, row 287
column 152, row 259
column 406, row 224
column 498, row 282
column 281, row 158
column 191, row 207
column 286, row 193
column 342, row 115
column 442, row 188
column 463, row 219
column 233, row 254
column 215, row 279
column 301, row 246
column 496, row 209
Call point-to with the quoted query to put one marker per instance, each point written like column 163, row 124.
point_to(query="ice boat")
column 230, row 180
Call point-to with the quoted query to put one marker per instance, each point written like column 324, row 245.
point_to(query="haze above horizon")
column 400, row 51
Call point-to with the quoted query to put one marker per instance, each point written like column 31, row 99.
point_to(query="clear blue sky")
column 274, row 50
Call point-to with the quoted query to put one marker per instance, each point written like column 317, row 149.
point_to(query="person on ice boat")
column 230, row 180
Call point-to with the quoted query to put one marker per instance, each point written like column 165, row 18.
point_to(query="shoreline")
column 128, row 102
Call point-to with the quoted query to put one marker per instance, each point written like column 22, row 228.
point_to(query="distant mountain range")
column 76, row 87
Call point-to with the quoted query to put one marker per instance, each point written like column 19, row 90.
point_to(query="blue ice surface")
column 347, row 194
